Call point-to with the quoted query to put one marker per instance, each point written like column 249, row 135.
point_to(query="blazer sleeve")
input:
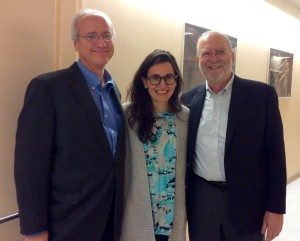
column 33, row 154
column 275, row 156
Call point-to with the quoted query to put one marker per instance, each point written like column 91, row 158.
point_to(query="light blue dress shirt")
column 106, row 102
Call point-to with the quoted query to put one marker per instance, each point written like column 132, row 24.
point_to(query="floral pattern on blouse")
column 160, row 160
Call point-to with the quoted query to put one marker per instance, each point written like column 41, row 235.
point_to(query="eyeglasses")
column 93, row 37
column 156, row 79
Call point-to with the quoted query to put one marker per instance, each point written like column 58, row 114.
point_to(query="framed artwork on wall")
column 191, row 73
column 280, row 72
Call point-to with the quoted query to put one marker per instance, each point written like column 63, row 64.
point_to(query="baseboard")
column 293, row 178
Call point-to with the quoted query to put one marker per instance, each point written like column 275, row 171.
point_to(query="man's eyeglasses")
column 156, row 79
column 93, row 37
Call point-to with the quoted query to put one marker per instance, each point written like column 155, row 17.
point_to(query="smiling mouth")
column 215, row 67
column 161, row 92
column 99, row 52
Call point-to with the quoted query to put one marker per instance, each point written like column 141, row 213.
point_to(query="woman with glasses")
column 156, row 152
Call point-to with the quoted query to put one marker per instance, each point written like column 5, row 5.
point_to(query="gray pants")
column 208, row 214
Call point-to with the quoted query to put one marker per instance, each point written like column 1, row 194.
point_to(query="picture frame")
column 280, row 72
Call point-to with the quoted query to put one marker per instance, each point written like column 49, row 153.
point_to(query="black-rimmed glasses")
column 155, row 79
column 93, row 37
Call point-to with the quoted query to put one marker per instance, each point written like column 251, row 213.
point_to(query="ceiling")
column 296, row 3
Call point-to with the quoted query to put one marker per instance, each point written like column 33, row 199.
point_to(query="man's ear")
column 75, row 44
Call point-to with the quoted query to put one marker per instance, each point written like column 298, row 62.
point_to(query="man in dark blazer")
column 69, row 155
column 236, row 184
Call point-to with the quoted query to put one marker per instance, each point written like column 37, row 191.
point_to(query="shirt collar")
column 227, row 88
column 92, row 79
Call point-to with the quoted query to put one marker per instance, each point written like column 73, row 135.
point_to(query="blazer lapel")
column 195, row 107
column 237, row 106
column 82, row 93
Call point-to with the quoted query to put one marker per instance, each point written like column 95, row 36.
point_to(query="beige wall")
column 35, row 38
column 27, row 37
column 258, row 26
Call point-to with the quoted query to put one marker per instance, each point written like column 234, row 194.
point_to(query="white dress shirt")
column 211, row 136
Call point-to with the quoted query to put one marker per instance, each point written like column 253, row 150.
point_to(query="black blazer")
column 254, row 159
column 65, row 172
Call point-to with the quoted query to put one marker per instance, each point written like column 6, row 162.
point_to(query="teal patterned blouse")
column 160, row 160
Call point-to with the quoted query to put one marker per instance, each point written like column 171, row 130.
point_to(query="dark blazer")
column 65, row 172
column 254, row 159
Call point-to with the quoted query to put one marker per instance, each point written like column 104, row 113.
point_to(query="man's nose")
column 100, row 40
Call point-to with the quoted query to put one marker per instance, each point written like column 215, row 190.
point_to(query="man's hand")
column 39, row 237
column 272, row 225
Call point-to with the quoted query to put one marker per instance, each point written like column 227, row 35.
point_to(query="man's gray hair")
column 88, row 12
column 214, row 32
